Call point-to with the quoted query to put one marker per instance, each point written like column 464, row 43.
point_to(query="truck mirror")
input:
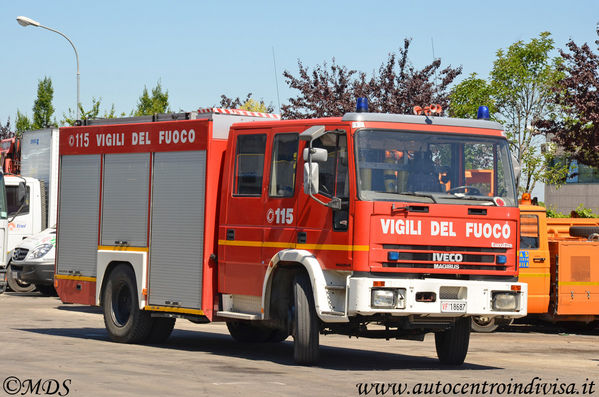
column 319, row 155
column 311, row 178
column 517, row 167
column 21, row 193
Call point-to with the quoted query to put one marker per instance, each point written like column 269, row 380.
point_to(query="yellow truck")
column 559, row 260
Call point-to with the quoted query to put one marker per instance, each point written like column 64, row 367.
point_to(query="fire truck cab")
column 372, row 225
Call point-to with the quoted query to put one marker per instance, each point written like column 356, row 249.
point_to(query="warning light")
column 483, row 113
column 362, row 105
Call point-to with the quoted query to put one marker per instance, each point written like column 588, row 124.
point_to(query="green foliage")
column 552, row 213
column 6, row 131
column 42, row 107
column 249, row 104
column 468, row 95
column 22, row 124
column 156, row 103
column 92, row 113
column 581, row 212
column 518, row 94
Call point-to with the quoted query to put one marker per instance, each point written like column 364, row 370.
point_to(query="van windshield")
column 434, row 167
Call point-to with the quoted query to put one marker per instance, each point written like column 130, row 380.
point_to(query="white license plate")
column 454, row 307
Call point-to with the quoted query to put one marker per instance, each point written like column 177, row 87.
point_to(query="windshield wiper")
column 455, row 196
column 418, row 194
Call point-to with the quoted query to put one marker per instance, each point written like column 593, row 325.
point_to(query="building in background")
column 581, row 187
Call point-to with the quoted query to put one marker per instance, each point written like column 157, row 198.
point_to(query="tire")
column 484, row 324
column 246, row 332
column 306, row 326
column 583, row 231
column 18, row 285
column 162, row 327
column 452, row 344
column 123, row 319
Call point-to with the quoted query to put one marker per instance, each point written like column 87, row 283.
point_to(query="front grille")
column 19, row 254
column 444, row 257
column 451, row 292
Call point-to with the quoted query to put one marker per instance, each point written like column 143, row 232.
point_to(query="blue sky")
column 200, row 50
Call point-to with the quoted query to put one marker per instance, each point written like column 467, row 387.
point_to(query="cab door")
column 280, row 209
column 534, row 263
column 240, row 236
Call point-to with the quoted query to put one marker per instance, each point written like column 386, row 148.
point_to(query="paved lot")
column 43, row 339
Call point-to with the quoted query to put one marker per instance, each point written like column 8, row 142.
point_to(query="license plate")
column 455, row 307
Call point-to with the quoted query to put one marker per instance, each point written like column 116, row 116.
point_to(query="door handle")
column 230, row 234
column 538, row 260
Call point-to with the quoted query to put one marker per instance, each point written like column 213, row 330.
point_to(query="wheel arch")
column 108, row 260
column 300, row 260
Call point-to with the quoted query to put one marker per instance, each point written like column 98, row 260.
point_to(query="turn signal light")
column 516, row 288
column 378, row 283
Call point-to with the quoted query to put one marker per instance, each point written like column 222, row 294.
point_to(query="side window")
column 529, row 231
column 249, row 164
column 333, row 176
column 13, row 205
column 282, row 170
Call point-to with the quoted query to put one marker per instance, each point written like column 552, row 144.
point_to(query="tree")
column 42, row 106
column 90, row 114
column 248, row 104
column 22, row 124
column 6, row 131
column 518, row 94
column 397, row 86
column 156, row 103
column 468, row 95
column 576, row 127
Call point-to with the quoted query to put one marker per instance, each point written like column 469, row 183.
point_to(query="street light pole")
column 24, row 21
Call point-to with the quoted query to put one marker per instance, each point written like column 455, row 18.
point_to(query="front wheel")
column 452, row 344
column 306, row 325
column 17, row 285
column 123, row 319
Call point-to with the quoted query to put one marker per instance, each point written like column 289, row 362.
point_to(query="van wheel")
column 18, row 285
column 306, row 326
column 452, row 344
column 162, row 327
column 123, row 319
column 484, row 324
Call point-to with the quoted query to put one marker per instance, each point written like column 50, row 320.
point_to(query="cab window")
column 12, row 201
column 333, row 175
column 249, row 164
column 282, row 171
column 529, row 231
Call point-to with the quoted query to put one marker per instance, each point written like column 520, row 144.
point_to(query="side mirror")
column 311, row 178
column 319, row 155
column 21, row 193
column 517, row 167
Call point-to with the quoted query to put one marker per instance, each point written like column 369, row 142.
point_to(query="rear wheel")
column 452, row 344
column 124, row 321
column 306, row 326
column 484, row 324
column 16, row 284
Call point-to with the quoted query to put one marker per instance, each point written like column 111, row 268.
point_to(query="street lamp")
column 24, row 21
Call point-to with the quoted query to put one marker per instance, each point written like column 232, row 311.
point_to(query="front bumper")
column 38, row 273
column 436, row 297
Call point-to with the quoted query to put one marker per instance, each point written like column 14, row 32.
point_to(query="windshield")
column 3, row 214
column 440, row 168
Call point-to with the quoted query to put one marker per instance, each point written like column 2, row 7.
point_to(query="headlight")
column 388, row 298
column 505, row 301
column 40, row 251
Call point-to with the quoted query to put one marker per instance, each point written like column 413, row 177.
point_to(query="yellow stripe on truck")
column 125, row 249
column 174, row 310
column 274, row 244
column 78, row 278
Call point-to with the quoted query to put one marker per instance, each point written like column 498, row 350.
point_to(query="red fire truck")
column 366, row 225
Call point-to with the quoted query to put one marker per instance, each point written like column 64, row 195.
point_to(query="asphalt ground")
column 65, row 350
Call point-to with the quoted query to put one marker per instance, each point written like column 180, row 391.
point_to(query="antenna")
column 274, row 61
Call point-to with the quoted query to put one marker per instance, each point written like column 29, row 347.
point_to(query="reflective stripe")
column 129, row 249
column 274, row 244
column 78, row 278
column 534, row 275
column 578, row 283
column 174, row 310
